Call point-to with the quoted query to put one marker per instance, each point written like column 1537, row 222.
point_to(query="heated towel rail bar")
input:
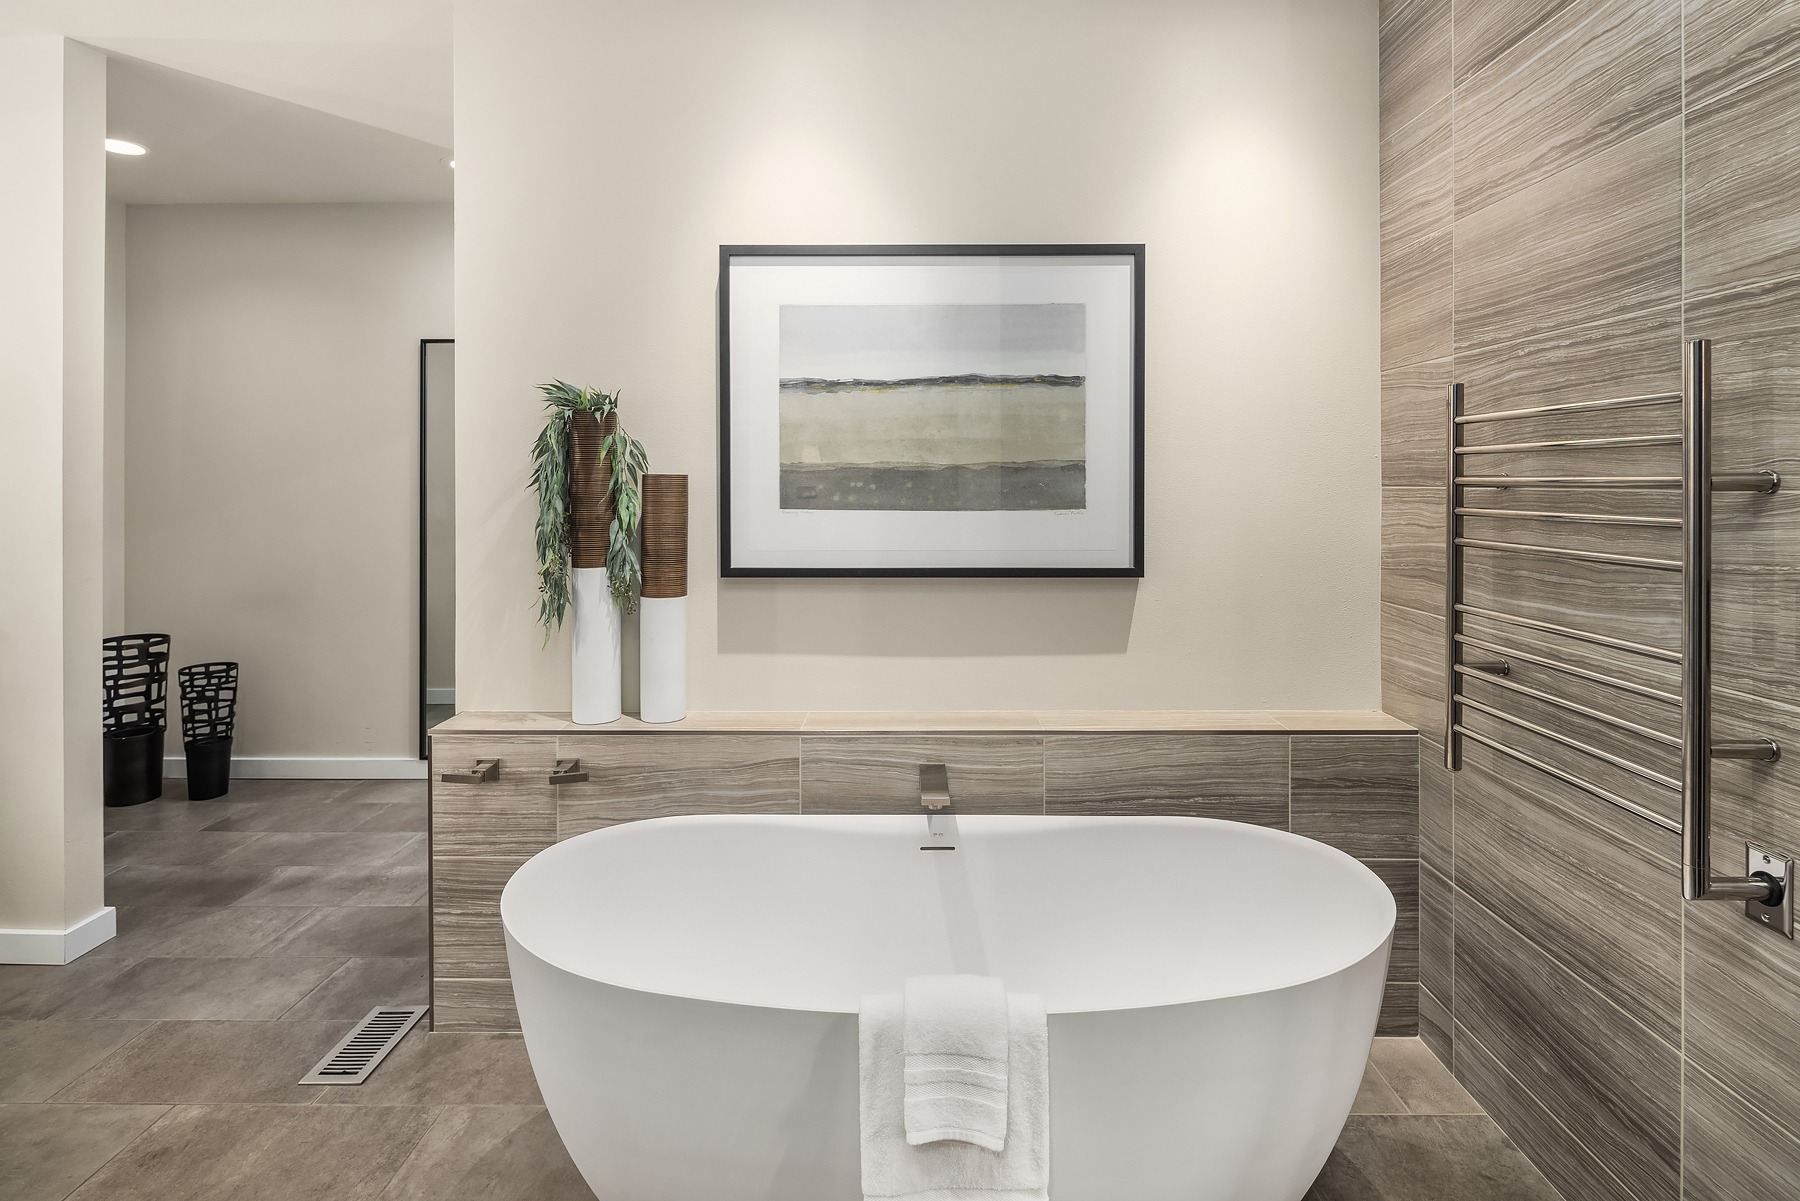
column 1697, row 483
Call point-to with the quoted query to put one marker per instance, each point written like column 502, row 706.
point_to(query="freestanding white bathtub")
column 688, row 990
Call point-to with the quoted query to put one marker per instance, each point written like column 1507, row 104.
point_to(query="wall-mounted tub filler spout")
column 934, row 786
column 934, row 796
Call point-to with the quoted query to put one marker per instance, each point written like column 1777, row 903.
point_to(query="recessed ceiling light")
column 121, row 146
column 452, row 164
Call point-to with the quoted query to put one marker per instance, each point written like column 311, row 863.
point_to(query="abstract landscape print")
column 934, row 407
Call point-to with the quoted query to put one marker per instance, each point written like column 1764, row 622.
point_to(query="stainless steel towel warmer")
column 1697, row 484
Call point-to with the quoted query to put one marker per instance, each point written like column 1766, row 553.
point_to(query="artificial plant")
column 550, row 479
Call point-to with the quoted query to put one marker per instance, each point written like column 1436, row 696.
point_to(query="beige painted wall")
column 606, row 150
column 52, row 284
column 272, row 457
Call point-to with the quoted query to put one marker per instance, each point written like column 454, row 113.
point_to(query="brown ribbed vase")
column 665, row 532
column 590, row 489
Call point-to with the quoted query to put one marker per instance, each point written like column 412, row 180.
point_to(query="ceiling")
column 384, row 63
column 213, row 143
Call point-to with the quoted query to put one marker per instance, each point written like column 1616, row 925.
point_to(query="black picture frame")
column 1133, row 251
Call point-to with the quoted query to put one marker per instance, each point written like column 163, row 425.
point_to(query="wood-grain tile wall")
column 1358, row 792
column 1604, row 178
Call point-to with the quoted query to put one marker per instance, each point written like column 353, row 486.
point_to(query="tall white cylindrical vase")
column 596, row 664
column 662, row 658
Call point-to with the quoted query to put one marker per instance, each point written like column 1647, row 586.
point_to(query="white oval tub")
column 688, row 989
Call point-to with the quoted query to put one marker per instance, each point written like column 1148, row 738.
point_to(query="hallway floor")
column 253, row 930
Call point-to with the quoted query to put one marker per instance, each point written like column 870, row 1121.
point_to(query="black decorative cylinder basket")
column 208, row 717
column 134, row 681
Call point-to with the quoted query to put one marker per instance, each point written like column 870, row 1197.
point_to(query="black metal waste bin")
column 208, row 719
column 134, row 675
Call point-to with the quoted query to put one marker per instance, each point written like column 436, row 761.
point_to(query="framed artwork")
column 931, row 410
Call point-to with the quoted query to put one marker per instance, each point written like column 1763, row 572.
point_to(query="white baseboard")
column 348, row 767
column 59, row 946
column 440, row 696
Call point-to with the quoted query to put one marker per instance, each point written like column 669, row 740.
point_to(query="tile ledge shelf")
column 1079, row 721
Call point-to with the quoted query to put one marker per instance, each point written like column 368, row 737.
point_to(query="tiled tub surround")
column 1568, row 191
column 1347, row 779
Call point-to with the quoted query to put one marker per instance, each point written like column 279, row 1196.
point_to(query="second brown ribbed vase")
column 596, row 661
column 662, row 614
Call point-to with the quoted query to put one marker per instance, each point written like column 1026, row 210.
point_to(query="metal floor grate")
column 367, row 1044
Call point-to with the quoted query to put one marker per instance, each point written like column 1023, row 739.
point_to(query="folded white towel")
column 956, row 1049
column 954, row 1171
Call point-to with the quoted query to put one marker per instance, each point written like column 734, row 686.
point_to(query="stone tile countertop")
column 1067, row 721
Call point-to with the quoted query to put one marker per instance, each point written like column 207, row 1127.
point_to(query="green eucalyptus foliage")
column 550, row 480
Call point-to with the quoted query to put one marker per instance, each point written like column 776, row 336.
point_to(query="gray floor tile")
column 365, row 931
column 169, row 848
column 163, row 931
column 359, row 986
column 203, row 884
column 263, row 1152
column 448, row 1069
column 259, row 988
column 1417, row 1158
column 302, row 815
column 211, row 1062
column 1375, row 1094
column 289, row 791
column 367, row 791
column 164, row 815
column 47, row 1150
column 1422, row 1082
column 385, row 885
column 347, row 849
column 396, row 817
column 31, row 991
column 490, row 1152
column 38, row 1058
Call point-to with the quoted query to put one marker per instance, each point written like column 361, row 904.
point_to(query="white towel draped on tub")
column 948, row 1169
column 955, row 1042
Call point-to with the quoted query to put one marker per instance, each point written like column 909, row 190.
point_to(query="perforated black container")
column 134, row 681
column 208, row 720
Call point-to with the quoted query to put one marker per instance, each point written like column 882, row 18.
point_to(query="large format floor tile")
column 38, row 1058
column 448, row 1069
column 367, row 931
column 1465, row 1158
column 212, row 1062
column 490, row 1152
column 395, row 817
column 29, row 991
column 362, row 984
column 1419, row 1079
column 312, row 849
column 170, row 848
column 135, row 886
column 236, row 1152
column 264, row 987
column 163, row 931
column 300, row 815
column 47, row 1150
column 384, row 884
column 410, row 792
